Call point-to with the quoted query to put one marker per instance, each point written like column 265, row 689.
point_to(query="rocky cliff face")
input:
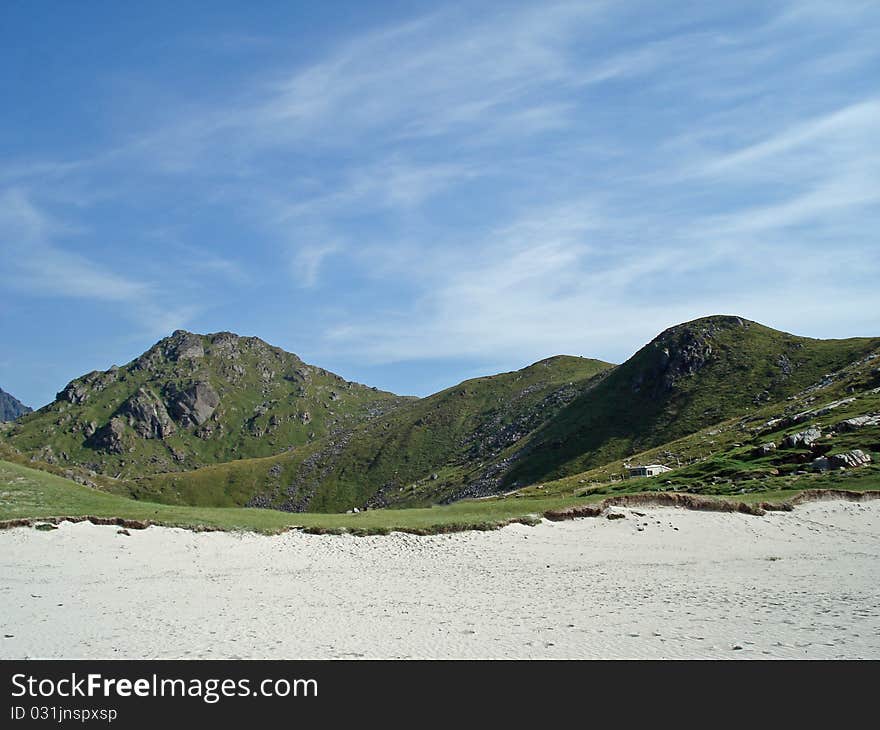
column 10, row 407
column 193, row 406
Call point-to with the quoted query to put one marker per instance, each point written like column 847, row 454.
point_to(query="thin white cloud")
column 308, row 259
column 387, row 184
column 40, row 267
column 842, row 132
column 548, row 281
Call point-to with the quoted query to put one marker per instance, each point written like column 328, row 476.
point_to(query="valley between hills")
column 219, row 431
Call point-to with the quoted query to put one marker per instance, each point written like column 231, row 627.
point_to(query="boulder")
column 195, row 405
column 764, row 449
column 821, row 464
column 804, row 438
column 849, row 459
column 112, row 438
column 75, row 392
column 852, row 424
column 147, row 415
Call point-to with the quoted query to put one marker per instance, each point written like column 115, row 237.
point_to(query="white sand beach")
column 804, row 584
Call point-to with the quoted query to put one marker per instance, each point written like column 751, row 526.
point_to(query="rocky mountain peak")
column 183, row 345
column 195, row 399
column 10, row 407
column 682, row 351
column 705, row 328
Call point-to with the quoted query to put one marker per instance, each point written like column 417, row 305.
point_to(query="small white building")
column 650, row 470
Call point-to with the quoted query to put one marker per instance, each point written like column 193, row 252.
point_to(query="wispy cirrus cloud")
column 564, row 270
column 841, row 137
column 502, row 181
column 38, row 266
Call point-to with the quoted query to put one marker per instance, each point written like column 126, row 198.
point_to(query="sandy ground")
column 687, row 584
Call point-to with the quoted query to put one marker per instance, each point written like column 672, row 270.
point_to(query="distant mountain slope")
column 688, row 377
column 192, row 400
column 436, row 440
column 418, row 453
column 10, row 407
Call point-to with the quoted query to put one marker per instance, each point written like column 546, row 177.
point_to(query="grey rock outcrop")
column 764, row 449
column 112, row 438
column 183, row 345
column 75, row 392
column 80, row 390
column 147, row 415
column 785, row 365
column 195, row 405
column 817, row 412
column 849, row 459
column 804, row 438
column 853, row 424
column 685, row 358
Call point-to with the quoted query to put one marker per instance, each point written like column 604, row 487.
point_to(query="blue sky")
column 411, row 194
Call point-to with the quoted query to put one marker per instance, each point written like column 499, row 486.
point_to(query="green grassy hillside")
column 31, row 494
column 415, row 455
column 754, row 452
column 222, row 421
column 689, row 377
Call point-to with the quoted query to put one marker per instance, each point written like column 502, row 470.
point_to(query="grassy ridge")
column 689, row 377
column 724, row 459
column 447, row 435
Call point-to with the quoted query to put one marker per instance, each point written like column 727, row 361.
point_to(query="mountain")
column 688, row 377
column 419, row 453
column 193, row 400
column 504, row 432
column 557, row 417
column 424, row 452
column 799, row 442
column 222, row 420
column 10, row 407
